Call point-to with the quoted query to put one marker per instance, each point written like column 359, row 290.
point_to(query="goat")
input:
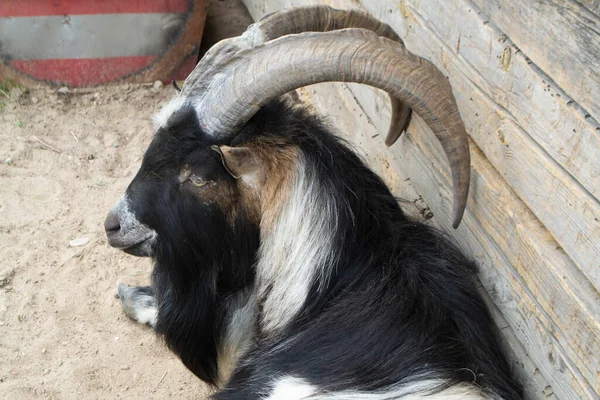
column 283, row 266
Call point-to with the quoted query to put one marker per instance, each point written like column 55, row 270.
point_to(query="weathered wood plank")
column 542, row 267
column 519, row 100
column 522, row 268
column 592, row 5
column 487, row 57
column 558, row 318
column 567, row 208
column 534, row 327
column 368, row 141
column 500, row 237
column 562, row 37
column 544, row 278
column 535, row 385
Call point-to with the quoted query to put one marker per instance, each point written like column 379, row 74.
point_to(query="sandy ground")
column 64, row 161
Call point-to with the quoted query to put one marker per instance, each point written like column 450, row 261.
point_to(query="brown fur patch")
column 259, row 197
column 222, row 193
column 273, row 181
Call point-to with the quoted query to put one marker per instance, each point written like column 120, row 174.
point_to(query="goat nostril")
column 112, row 224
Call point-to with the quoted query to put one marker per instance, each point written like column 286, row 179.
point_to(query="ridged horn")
column 321, row 19
column 254, row 77
column 293, row 21
column 324, row 19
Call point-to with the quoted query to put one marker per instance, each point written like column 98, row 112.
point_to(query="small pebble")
column 43, row 351
column 79, row 242
column 34, row 100
column 63, row 90
column 116, row 338
column 9, row 161
column 157, row 85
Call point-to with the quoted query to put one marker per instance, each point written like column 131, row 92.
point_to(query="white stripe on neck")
column 296, row 251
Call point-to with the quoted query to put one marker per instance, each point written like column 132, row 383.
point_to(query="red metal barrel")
column 93, row 42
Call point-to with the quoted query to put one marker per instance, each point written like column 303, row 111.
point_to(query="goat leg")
column 139, row 303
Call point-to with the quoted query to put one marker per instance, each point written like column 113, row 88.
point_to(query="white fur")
column 293, row 388
column 294, row 252
column 139, row 307
column 239, row 332
column 160, row 118
column 132, row 230
column 146, row 315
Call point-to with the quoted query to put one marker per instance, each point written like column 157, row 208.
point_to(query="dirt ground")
column 64, row 161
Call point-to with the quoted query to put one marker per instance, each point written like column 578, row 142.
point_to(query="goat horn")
column 298, row 20
column 321, row 19
column 256, row 76
column 324, row 19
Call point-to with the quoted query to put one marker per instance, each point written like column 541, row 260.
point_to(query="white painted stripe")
column 88, row 36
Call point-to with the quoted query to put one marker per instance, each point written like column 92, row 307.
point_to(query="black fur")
column 400, row 304
column 201, row 263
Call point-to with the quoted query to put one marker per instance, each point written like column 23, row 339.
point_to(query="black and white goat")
column 283, row 267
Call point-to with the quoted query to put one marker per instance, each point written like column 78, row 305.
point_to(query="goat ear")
column 240, row 162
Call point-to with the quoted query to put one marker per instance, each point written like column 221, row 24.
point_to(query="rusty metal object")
column 99, row 42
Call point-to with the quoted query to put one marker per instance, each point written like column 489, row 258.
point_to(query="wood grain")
column 524, row 369
column 509, row 135
column 527, row 132
column 532, row 218
column 568, row 28
column 424, row 163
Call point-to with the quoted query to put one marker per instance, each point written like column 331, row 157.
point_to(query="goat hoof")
column 138, row 302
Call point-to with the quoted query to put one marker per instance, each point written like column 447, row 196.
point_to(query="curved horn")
column 254, row 77
column 298, row 20
column 321, row 19
column 324, row 19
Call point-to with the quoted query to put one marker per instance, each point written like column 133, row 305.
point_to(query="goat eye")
column 197, row 181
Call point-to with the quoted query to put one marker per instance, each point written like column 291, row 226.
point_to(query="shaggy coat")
column 302, row 277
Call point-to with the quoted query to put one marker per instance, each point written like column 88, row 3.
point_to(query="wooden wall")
column 526, row 75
